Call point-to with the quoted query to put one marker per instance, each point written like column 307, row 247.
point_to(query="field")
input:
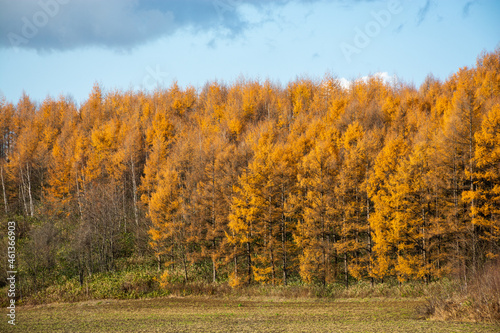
column 200, row 314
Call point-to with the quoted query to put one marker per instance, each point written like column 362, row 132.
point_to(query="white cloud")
column 384, row 76
column 344, row 83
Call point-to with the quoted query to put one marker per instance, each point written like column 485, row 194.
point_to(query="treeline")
column 253, row 182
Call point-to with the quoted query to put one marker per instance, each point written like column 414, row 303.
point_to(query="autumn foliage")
column 253, row 182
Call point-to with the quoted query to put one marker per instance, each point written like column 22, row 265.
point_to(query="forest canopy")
column 255, row 182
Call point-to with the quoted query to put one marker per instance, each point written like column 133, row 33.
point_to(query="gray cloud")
column 46, row 25
column 58, row 25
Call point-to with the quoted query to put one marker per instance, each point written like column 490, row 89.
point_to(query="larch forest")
column 254, row 182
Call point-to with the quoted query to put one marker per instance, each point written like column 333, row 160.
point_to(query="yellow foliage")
column 261, row 182
column 165, row 279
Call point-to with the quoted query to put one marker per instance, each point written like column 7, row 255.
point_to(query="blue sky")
column 53, row 47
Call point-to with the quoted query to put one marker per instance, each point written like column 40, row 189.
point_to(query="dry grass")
column 479, row 301
column 242, row 314
column 361, row 289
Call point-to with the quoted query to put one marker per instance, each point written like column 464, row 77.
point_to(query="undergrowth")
column 478, row 300
column 144, row 283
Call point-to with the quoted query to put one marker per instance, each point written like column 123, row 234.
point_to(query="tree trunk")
column 249, row 262
column 471, row 170
column 29, row 190
column 22, row 186
column 184, row 264
column 214, row 271
column 6, row 207
column 346, row 271
column 134, row 189
column 235, row 264
column 283, row 246
column 78, row 197
column 372, row 282
column 273, row 267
